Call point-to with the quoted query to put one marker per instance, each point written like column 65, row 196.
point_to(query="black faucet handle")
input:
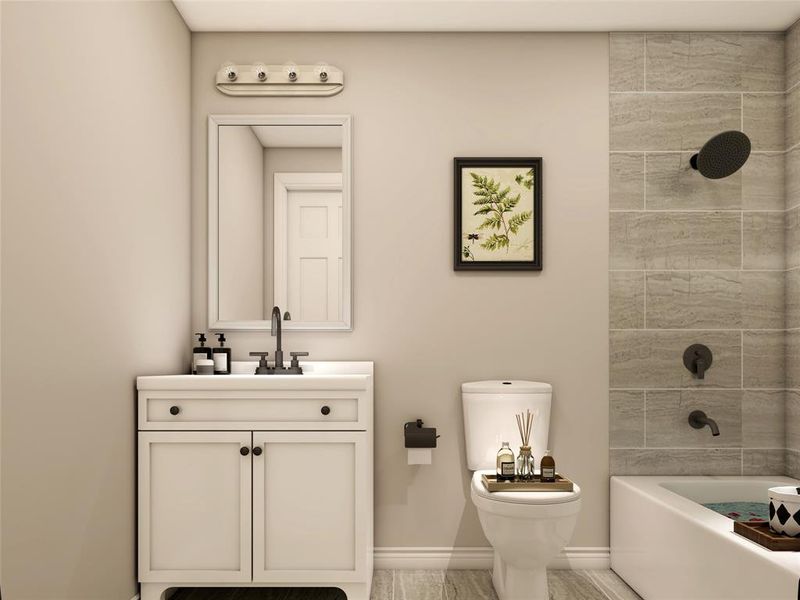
column 263, row 366
column 294, row 355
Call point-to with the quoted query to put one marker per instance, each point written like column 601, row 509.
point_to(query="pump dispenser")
column 222, row 357
column 200, row 352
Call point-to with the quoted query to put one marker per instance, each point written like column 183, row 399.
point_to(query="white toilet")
column 526, row 529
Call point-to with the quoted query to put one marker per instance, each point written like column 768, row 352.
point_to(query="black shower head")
column 722, row 155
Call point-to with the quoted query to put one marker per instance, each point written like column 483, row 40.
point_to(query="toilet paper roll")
column 420, row 456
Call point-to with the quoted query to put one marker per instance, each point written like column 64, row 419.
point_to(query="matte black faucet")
column 276, row 331
column 698, row 419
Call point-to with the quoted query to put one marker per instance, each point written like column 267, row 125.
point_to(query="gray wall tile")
column 793, row 299
column 670, row 121
column 714, row 62
column 708, row 240
column 658, row 461
column 763, row 182
column 763, row 355
column 763, row 419
column 626, row 419
column 792, row 178
column 793, row 419
column 667, row 413
column 763, row 461
column 793, row 118
column 793, row 55
column 762, row 118
column 672, row 184
column 626, row 68
column 792, row 241
column 626, row 299
column 649, row 359
column 763, row 235
column 792, row 364
column 762, row 299
column 694, row 300
column 792, row 466
column 626, row 181
column 763, row 66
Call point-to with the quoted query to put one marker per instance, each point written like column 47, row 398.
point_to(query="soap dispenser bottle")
column 222, row 357
column 200, row 352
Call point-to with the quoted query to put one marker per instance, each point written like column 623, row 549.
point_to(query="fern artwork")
column 498, row 214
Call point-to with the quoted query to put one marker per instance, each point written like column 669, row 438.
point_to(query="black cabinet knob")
column 174, row 410
column 257, row 451
column 325, row 410
column 244, row 450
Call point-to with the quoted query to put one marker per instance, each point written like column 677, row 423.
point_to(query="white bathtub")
column 667, row 546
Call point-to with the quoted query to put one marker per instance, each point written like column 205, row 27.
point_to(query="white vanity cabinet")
column 256, row 481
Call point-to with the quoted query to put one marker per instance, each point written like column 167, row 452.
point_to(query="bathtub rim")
column 650, row 486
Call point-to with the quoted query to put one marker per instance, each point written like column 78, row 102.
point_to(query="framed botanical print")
column 498, row 214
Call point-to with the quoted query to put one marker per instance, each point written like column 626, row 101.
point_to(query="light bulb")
column 260, row 71
column 322, row 72
column 231, row 72
column 291, row 71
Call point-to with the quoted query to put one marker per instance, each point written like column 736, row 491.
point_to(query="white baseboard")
column 480, row 558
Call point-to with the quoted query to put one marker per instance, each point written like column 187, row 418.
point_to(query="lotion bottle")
column 222, row 357
column 200, row 352
column 548, row 470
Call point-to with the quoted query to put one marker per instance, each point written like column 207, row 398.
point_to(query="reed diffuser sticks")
column 525, row 465
column 525, row 425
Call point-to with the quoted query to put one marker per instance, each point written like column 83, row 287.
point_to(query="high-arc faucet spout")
column 698, row 419
column 276, row 332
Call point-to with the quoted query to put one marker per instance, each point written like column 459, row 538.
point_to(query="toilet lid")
column 532, row 498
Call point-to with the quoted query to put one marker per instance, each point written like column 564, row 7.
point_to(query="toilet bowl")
column 526, row 530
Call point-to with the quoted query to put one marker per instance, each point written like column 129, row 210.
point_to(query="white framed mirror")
column 280, row 221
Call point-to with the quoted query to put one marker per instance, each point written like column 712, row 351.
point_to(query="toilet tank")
column 489, row 409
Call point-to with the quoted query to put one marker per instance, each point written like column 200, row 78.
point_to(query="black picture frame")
column 459, row 261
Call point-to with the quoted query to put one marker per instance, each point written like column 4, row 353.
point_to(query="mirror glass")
column 279, row 222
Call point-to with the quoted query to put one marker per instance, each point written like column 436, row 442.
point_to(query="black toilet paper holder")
column 418, row 436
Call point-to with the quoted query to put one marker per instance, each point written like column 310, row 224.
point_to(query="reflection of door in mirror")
column 308, row 245
column 279, row 224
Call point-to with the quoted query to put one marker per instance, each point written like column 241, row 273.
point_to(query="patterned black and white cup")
column 784, row 510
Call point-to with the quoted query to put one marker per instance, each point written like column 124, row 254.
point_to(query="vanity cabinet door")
column 310, row 514
column 195, row 506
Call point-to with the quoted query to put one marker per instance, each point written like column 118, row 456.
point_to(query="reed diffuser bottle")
column 525, row 464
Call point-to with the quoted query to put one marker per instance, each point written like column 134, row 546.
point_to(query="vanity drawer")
column 176, row 411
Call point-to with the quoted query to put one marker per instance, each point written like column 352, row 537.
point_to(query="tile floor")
column 435, row 585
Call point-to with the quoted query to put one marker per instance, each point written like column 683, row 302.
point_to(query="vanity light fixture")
column 279, row 80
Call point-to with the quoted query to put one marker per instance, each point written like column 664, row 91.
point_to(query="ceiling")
column 489, row 15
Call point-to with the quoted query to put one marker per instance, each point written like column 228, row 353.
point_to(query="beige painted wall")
column 95, row 270
column 417, row 101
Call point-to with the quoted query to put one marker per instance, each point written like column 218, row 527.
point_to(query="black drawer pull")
column 244, row 450
column 257, row 451
column 325, row 410
column 174, row 410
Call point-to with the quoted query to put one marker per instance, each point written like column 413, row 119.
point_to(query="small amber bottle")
column 548, row 468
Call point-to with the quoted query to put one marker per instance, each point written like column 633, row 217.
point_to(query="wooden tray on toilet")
column 761, row 534
column 561, row 484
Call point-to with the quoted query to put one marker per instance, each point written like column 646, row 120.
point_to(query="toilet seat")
column 522, row 498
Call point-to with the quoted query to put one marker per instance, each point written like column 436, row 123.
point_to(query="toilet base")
column 514, row 583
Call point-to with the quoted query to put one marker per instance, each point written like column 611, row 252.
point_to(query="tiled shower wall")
column 694, row 260
column 793, row 251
